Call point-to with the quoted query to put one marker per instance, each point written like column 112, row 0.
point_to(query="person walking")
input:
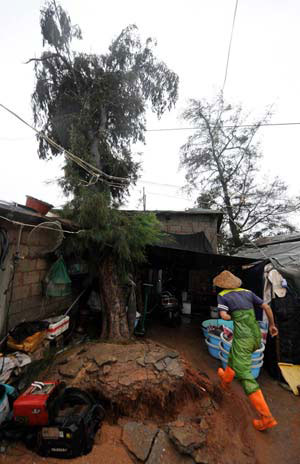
column 238, row 304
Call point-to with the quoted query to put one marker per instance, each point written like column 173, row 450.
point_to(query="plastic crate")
column 57, row 325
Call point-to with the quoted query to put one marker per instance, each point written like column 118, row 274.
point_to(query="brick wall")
column 25, row 297
column 191, row 224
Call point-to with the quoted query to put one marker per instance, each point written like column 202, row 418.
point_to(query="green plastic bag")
column 57, row 282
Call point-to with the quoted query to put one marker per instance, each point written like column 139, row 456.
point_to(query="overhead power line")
column 95, row 173
column 230, row 42
column 170, row 129
column 266, row 124
column 142, row 181
column 169, row 196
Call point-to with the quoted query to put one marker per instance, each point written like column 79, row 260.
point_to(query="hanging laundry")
column 276, row 279
column 274, row 284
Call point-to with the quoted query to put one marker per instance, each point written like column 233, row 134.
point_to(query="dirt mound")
column 149, row 385
column 140, row 380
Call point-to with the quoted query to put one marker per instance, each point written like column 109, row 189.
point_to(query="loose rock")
column 187, row 438
column 70, row 370
column 139, row 438
column 163, row 452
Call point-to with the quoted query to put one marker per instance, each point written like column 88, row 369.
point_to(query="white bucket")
column 184, row 296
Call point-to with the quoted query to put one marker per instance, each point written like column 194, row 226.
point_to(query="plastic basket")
column 227, row 345
column 213, row 350
column 255, row 369
column 225, row 355
column 215, row 322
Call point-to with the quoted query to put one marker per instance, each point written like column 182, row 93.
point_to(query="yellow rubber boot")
column 267, row 420
column 226, row 376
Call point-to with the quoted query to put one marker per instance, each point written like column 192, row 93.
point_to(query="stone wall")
column 24, row 299
column 182, row 223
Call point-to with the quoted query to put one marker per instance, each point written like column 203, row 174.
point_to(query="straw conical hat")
column 227, row 280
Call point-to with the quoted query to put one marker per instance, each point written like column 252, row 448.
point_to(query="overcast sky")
column 193, row 37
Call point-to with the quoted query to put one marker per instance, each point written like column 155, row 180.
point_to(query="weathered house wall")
column 183, row 223
column 21, row 280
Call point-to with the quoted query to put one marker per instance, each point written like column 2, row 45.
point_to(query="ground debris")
column 70, row 370
column 163, row 452
column 138, row 438
column 140, row 380
column 187, row 438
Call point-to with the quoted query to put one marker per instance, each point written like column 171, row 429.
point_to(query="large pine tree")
column 94, row 106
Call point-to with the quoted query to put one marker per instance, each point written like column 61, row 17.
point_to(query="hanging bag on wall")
column 57, row 282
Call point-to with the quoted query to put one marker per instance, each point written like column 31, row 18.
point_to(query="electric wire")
column 230, row 43
column 219, row 208
column 170, row 196
column 174, row 129
column 94, row 172
column 226, row 126
column 158, row 183
column 42, row 227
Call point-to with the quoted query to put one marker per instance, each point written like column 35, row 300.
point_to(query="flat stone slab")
column 201, row 456
column 187, row 438
column 70, row 370
column 138, row 438
column 100, row 359
column 175, row 368
column 163, row 452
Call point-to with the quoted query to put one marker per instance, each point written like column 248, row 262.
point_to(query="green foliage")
column 95, row 105
column 109, row 230
column 222, row 162
column 56, row 27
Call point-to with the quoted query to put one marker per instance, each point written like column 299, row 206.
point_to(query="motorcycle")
column 169, row 309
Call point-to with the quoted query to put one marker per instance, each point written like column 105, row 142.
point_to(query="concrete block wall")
column 178, row 223
column 25, row 297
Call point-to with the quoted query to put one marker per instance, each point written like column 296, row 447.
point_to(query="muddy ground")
column 276, row 446
column 279, row 445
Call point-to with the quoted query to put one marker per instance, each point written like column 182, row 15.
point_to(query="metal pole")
column 144, row 199
column 141, row 329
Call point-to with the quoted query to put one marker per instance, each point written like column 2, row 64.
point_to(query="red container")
column 38, row 205
column 32, row 407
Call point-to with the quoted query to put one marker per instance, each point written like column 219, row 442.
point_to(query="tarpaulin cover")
column 287, row 316
column 57, row 281
column 192, row 242
column 246, row 340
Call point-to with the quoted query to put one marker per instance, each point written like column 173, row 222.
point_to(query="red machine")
column 34, row 406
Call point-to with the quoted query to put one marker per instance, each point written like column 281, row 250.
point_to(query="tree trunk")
column 114, row 325
column 232, row 225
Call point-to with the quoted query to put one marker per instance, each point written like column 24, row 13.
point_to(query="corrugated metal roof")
column 185, row 211
column 189, row 211
column 285, row 253
column 160, row 257
column 278, row 239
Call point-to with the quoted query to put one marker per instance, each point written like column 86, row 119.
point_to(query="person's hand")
column 224, row 315
column 273, row 330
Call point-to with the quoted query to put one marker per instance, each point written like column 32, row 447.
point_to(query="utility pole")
column 144, row 199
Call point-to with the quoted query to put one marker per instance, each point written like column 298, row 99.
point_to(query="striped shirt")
column 237, row 299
